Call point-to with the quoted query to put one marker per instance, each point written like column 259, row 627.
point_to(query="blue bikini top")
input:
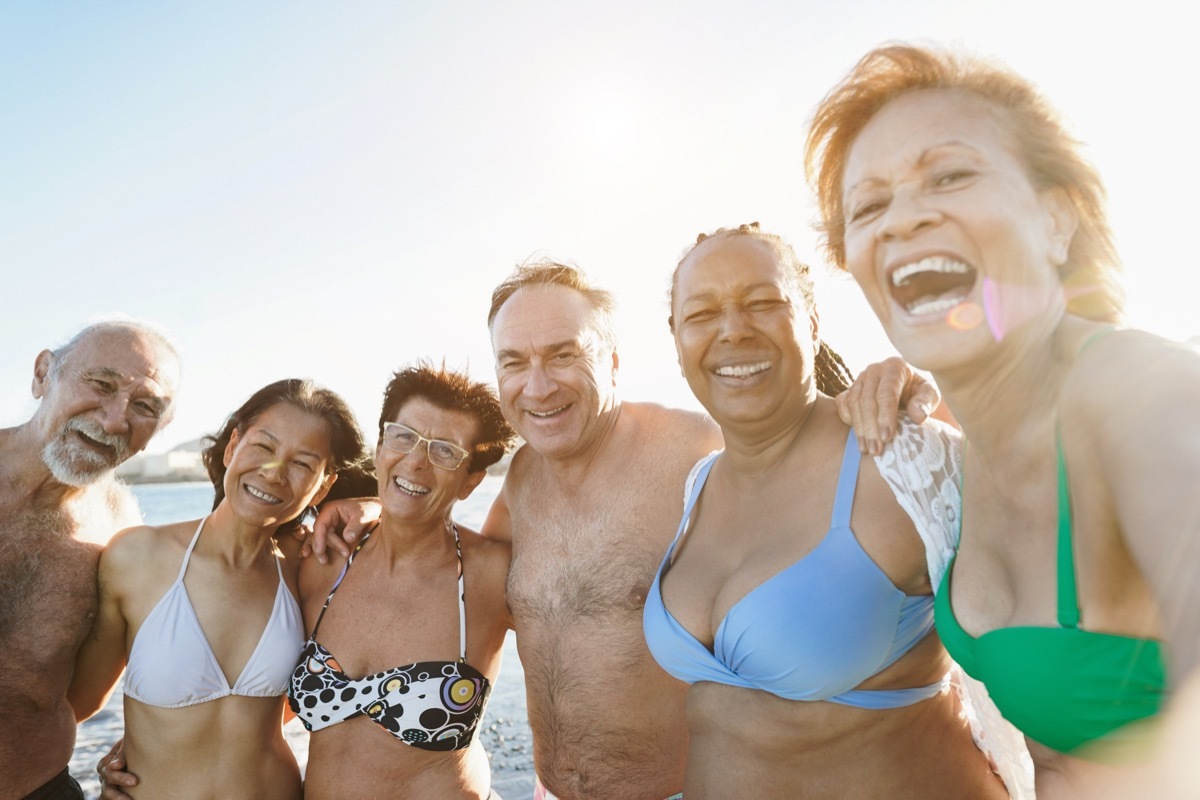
column 814, row 631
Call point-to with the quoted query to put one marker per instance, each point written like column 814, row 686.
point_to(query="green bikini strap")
column 1068, row 595
column 1068, row 598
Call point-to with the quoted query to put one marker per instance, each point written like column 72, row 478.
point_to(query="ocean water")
column 505, row 728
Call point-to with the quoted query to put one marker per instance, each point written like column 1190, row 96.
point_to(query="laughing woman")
column 406, row 634
column 951, row 192
column 203, row 615
column 796, row 599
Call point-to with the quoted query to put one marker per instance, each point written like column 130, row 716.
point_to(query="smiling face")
column 555, row 373
column 945, row 233
column 410, row 487
column 745, row 340
column 102, row 401
column 278, row 465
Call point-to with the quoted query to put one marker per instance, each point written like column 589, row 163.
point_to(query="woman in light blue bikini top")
column 814, row 671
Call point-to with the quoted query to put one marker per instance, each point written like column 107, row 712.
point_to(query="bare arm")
column 498, row 524
column 101, row 659
column 1150, row 453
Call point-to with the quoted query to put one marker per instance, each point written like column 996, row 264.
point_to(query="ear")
column 473, row 480
column 234, row 436
column 41, row 373
column 326, row 485
column 616, row 362
column 1062, row 222
column 671, row 322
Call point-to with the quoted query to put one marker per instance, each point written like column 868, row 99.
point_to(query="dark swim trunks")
column 61, row 787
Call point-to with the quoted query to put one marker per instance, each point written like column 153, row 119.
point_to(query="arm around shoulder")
column 101, row 659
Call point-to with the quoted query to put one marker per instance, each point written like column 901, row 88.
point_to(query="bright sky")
column 332, row 190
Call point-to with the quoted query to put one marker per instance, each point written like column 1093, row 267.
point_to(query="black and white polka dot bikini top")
column 433, row 705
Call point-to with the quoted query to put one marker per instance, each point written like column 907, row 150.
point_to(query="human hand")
column 113, row 776
column 339, row 526
column 872, row 404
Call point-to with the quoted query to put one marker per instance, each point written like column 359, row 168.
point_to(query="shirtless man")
column 590, row 503
column 103, row 395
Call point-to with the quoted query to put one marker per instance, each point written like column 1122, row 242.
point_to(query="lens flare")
column 992, row 308
column 965, row 316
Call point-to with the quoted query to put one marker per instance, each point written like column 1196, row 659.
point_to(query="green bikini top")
column 1063, row 687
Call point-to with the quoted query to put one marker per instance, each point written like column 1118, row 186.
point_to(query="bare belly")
column 221, row 750
column 749, row 743
column 607, row 722
column 358, row 758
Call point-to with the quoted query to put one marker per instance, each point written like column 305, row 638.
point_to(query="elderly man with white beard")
column 102, row 397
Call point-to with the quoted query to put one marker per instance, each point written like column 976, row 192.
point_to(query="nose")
column 420, row 454
column 735, row 324
column 114, row 415
column 540, row 384
column 272, row 471
column 906, row 215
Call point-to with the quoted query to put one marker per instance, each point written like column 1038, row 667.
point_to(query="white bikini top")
column 172, row 665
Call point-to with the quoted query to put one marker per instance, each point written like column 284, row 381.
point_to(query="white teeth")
column 933, row 305
column 931, row 264
column 261, row 495
column 743, row 370
column 544, row 414
column 409, row 488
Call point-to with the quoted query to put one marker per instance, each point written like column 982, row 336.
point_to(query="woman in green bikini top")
column 951, row 192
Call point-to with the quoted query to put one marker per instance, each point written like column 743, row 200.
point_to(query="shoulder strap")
column 702, row 468
column 462, row 597
column 1068, row 598
column 341, row 575
column 187, row 554
column 843, row 501
column 1094, row 337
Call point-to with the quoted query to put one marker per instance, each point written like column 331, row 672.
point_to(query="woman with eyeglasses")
column 202, row 614
column 405, row 635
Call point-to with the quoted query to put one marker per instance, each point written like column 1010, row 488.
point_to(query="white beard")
column 73, row 463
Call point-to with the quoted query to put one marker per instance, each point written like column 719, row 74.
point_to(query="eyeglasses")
column 403, row 440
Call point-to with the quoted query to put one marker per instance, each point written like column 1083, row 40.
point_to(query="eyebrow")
column 553, row 347
column 159, row 402
column 924, row 158
column 747, row 290
column 275, row 439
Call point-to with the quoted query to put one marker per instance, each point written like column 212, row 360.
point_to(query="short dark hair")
column 452, row 391
column 347, row 448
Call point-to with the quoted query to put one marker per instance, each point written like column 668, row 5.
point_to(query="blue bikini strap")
column 843, row 501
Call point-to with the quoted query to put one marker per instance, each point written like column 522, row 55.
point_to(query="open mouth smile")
column 410, row 489
column 546, row 414
column 742, row 370
column 932, row 285
column 259, row 494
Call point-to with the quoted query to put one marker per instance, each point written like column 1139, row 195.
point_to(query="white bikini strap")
column 187, row 555
column 462, row 595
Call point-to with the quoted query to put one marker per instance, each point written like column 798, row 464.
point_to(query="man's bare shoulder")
column 667, row 421
column 673, row 432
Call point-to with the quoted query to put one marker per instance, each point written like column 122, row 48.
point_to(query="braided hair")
column 831, row 373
